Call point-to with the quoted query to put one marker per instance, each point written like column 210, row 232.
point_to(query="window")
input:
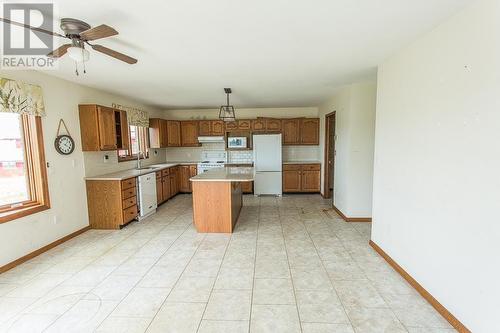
column 138, row 142
column 23, row 177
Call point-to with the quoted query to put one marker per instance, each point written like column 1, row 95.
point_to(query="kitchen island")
column 217, row 198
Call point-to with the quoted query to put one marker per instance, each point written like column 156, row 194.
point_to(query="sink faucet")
column 139, row 159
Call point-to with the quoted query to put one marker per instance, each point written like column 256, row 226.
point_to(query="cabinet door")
column 291, row 181
column 159, row 189
column 311, row 181
column 184, row 178
column 166, row 190
column 244, row 124
column 309, row 131
column 124, row 130
column 259, row 124
column 163, row 133
column 273, row 124
column 174, row 186
column 189, row 133
column 154, row 132
column 217, row 127
column 205, row 127
column 247, row 187
column 173, row 133
column 107, row 130
column 231, row 125
column 291, row 131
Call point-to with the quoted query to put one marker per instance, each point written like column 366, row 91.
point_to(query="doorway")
column 329, row 157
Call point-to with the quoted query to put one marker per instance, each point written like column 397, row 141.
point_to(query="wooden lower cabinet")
column 184, row 182
column 247, row 187
column 111, row 203
column 174, row 181
column 301, row 178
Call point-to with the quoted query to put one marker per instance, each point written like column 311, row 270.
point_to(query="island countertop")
column 226, row 174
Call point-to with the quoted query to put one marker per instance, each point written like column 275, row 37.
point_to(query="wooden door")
column 184, row 175
column 311, row 180
column 166, row 190
column 107, row 130
column 291, row 181
column 159, row 188
column 273, row 124
column 309, row 131
column 174, row 182
column 259, row 124
column 244, row 124
column 291, row 131
column 205, row 127
column 173, row 133
column 217, row 127
column 124, row 130
column 189, row 133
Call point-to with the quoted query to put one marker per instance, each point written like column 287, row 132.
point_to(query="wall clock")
column 64, row 143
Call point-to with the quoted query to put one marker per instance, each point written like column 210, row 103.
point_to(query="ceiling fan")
column 80, row 33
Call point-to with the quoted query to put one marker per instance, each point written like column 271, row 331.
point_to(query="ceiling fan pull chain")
column 84, row 70
column 76, row 68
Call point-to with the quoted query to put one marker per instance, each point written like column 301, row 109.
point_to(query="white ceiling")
column 271, row 52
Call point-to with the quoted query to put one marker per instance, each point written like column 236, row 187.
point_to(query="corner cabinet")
column 98, row 127
column 301, row 178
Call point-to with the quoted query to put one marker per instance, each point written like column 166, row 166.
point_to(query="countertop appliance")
column 267, row 164
column 147, row 195
column 211, row 159
column 237, row 142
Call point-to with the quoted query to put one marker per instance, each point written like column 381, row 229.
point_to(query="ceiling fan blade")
column 101, row 31
column 32, row 28
column 59, row 52
column 114, row 54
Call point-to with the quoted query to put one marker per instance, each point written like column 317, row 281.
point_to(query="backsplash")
column 240, row 156
column 191, row 154
column 301, row 153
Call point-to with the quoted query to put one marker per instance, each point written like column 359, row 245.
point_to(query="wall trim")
column 425, row 294
column 351, row 219
column 41, row 250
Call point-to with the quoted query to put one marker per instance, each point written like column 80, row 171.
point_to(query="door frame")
column 327, row 174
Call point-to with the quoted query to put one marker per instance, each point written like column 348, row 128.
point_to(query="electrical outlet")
column 106, row 158
column 55, row 219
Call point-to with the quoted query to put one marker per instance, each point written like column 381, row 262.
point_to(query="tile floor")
column 289, row 267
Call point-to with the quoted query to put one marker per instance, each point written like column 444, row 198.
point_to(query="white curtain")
column 20, row 97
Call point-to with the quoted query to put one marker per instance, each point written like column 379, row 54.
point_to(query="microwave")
column 237, row 142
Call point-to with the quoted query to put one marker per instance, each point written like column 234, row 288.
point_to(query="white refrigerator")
column 267, row 164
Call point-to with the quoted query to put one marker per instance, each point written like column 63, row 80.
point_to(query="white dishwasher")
column 147, row 195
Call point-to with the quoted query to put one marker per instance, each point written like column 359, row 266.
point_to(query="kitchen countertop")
column 226, row 174
column 302, row 162
column 124, row 174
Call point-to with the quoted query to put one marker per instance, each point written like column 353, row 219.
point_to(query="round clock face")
column 64, row 144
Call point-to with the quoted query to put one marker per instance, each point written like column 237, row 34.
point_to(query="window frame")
column 38, row 189
column 144, row 138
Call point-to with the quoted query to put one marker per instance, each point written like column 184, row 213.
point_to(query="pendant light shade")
column 226, row 112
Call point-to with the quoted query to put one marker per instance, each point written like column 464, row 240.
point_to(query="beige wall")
column 437, row 162
column 355, row 121
column 66, row 174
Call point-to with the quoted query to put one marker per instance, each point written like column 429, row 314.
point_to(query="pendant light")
column 226, row 112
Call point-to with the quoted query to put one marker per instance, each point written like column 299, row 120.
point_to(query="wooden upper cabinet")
column 244, row 124
column 291, row 131
column 273, row 124
column 158, row 137
column 309, row 131
column 125, row 140
column 189, row 133
column 231, row 125
column 173, row 133
column 98, row 126
column 205, row 127
column 211, row 127
column 259, row 124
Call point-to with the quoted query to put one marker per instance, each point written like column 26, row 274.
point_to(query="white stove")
column 211, row 159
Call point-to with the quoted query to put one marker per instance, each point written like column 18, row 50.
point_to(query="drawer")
column 291, row 167
column 129, row 214
column 128, row 183
column 165, row 172
column 128, row 193
column 312, row 167
column 129, row 202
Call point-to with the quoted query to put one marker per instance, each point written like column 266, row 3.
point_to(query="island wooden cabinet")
column 173, row 133
column 158, row 133
column 99, row 125
column 189, row 134
column 302, row 178
column 111, row 203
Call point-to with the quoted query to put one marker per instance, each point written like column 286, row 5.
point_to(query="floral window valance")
column 135, row 117
column 20, row 97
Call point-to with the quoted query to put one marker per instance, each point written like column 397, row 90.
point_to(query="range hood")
column 210, row 139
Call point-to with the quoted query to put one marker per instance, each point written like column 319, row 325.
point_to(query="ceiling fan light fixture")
column 78, row 54
column 226, row 112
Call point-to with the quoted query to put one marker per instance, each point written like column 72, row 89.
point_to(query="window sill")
column 22, row 212
column 130, row 158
